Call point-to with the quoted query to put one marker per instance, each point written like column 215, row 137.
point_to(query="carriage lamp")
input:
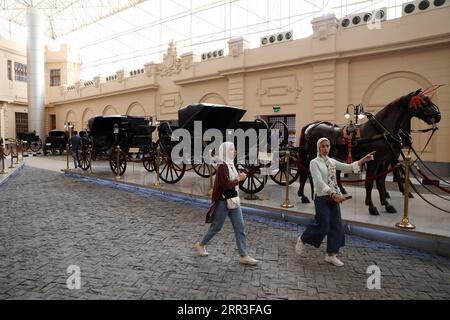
column 115, row 131
column 347, row 114
column 358, row 112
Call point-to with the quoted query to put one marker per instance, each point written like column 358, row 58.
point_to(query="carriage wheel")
column 254, row 182
column 36, row 145
column 83, row 161
column 170, row 172
column 122, row 162
column 149, row 162
column 149, row 158
column 280, row 176
column 202, row 169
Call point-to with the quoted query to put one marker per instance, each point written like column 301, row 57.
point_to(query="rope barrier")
column 384, row 173
column 432, row 182
column 423, row 185
column 418, row 158
column 415, row 189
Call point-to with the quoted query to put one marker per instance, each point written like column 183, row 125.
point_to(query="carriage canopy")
column 213, row 116
column 131, row 128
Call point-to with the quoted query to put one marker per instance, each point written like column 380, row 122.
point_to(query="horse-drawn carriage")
column 55, row 142
column 222, row 118
column 30, row 141
column 107, row 133
column 134, row 137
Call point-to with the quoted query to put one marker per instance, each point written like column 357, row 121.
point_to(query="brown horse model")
column 381, row 133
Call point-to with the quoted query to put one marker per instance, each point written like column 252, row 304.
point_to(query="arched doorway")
column 391, row 86
column 87, row 114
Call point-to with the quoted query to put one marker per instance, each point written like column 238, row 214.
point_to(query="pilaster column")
column 35, row 72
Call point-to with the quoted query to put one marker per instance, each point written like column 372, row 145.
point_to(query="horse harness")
column 351, row 134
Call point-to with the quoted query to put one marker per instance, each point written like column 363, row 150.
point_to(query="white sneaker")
column 300, row 247
column 333, row 260
column 248, row 260
column 201, row 250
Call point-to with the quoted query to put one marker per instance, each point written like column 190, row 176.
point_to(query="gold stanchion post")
column 3, row 159
column 68, row 126
column 157, row 183
column 11, row 153
column 210, row 192
column 21, row 148
column 67, row 153
column 17, row 151
column 405, row 224
column 286, row 203
column 118, row 162
column 90, row 159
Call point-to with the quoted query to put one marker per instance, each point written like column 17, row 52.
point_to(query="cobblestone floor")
column 132, row 246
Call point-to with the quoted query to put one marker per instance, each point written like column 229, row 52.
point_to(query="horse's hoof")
column 373, row 211
column 299, row 194
column 390, row 209
column 410, row 195
column 388, row 196
column 305, row 200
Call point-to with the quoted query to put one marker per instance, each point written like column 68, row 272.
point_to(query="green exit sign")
column 276, row 109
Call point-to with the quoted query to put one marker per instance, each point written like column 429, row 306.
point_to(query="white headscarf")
column 331, row 167
column 318, row 147
column 226, row 155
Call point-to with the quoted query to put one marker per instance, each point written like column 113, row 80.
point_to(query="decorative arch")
column 136, row 109
column 109, row 111
column 420, row 80
column 87, row 114
column 71, row 117
column 213, row 98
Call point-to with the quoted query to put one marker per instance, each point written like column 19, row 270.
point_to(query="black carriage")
column 102, row 139
column 30, row 141
column 55, row 142
column 220, row 117
column 212, row 117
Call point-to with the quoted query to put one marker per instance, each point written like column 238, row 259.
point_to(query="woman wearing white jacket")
column 328, row 196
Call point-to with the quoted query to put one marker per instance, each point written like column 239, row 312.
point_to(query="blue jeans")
column 327, row 222
column 75, row 159
column 219, row 215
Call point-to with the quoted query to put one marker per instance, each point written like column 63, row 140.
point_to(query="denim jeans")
column 235, row 215
column 75, row 159
column 327, row 222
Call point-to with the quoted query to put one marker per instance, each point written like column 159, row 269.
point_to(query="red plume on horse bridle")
column 417, row 100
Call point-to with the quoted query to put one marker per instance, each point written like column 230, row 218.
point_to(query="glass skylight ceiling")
column 116, row 34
